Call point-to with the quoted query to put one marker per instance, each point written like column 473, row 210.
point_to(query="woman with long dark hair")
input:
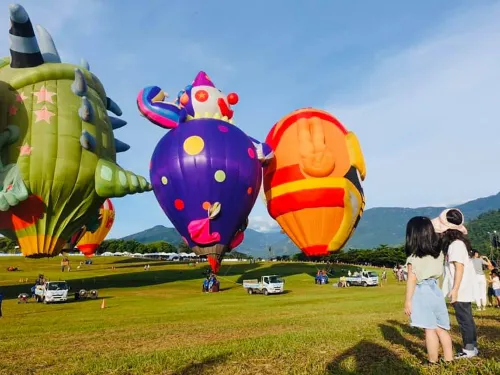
column 425, row 303
column 459, row 282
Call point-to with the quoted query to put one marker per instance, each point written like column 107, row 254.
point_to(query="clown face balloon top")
column 206, row 172
column 201, row 99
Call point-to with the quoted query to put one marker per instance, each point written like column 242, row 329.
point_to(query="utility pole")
column 494, row 245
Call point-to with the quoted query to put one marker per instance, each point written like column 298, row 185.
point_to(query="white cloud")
column 262, row 224
column 428, row 117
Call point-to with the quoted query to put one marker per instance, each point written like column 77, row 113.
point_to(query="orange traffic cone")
column 103, row 304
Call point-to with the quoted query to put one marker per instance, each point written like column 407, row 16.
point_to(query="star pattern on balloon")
column 43, row 114
column 43, row 95
column 25, row 150
column 20, row 97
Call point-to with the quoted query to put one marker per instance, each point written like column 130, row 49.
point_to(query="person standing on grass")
column 384, row 278
column 425, row 303
column 479, row 264
column 459, row 282
column 495, row 285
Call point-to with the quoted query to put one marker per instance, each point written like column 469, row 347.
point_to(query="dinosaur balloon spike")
column 84, row 64
column 117, row 123
column 79, row 85
column 47, row 46
column 86, row 112
column 113, row 107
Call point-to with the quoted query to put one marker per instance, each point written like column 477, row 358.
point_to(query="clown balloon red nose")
column 233, row 98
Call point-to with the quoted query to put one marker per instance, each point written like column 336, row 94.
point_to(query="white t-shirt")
column 496, row 283
column 457, row 252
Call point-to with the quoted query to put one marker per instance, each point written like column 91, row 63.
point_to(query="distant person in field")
column 479, row 264
column 495, row 285
column 343, row 282
column 383, row 278
column 400, row 274
column 425, row 303
column 459, row 282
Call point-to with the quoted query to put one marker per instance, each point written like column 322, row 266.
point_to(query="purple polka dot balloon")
column 199, row 167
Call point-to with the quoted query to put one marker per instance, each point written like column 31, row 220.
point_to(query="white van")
column 52, row 291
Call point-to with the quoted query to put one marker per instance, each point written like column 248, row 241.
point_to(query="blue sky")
column 418, row 82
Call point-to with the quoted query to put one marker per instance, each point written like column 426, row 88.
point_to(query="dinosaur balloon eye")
column 201, row 96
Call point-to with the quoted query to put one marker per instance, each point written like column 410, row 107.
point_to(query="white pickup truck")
column 52, row 291
column 267, row 285
column 363, row 279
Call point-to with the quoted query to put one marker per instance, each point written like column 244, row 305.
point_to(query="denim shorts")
column 429, row 306
column 496, row 292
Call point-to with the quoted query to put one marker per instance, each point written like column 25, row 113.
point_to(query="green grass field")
column 159, row 322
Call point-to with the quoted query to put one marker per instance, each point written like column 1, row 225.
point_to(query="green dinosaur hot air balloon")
column 56, row 141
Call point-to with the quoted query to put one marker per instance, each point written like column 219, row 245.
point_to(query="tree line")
column 382, row 256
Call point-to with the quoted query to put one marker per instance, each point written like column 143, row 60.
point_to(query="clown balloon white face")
column 203, row 98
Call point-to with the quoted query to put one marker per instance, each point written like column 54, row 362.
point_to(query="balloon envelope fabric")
column 90, row 241
column 206, row 177
column 313, row 185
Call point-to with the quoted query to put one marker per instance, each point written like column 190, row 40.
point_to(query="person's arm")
column 487, row 263
column 410, row 289
column 459, row 273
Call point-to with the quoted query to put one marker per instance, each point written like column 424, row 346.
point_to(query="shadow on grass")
column 486, row 333
column 369, row 358
column 489, row 334
column 290, row 269
column 129, row 280
column 488, row 317
column 153, row 277
column 281, row 269
column 204, row 367
column 409, row 329
column 394, row 336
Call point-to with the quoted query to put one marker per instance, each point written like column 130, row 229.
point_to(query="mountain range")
column 380, row 225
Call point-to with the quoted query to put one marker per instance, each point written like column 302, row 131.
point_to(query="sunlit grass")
column 159, row 322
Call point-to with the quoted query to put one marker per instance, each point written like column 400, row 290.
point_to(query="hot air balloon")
column 71, row 244
column 313, row 185
column 90, row 227
column 57, row 141
column 206, row 172
column 90, row 241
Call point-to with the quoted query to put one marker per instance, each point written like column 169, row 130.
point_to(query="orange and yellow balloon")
column 313, row 185
column 89, row 243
